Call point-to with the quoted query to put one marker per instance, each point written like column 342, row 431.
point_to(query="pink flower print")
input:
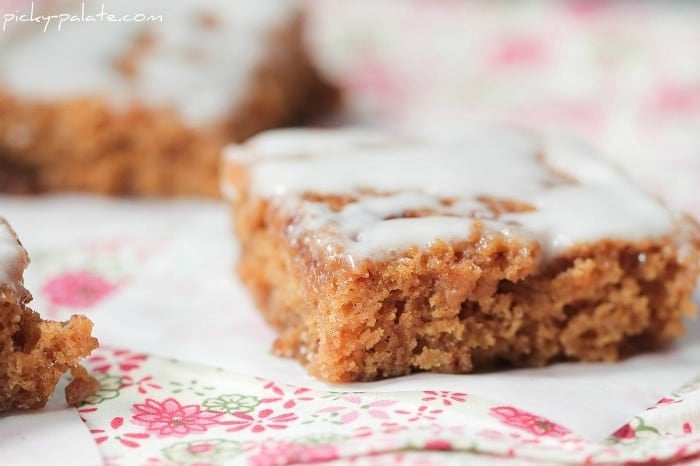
column 169, row 417
column 129, row 439
column 583, row 116
column 284, row 453
column 373, row 77
column 687, row 428
column 439, row 429
column 586, row 9
column 123, row 360
column 383, row 428
column 272, row 386
column 404, row 458
column 520, row 51
column 111, row 460
column 159, row 462
column 86, row 410
column 498, row 435
column 442, row 445
column 363, row 431
column 422, row 413
column 676, row 99
column 445, row 397
column 81, row 289
column 625, row 432
column 665, row 401
column 204, row 452
column 347, row 415
column 536, row 425
column 260, row 422
column 290, row 401
column 143, row 384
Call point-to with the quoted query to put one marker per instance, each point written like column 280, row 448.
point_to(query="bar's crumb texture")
column 361, row 288
column 35, row 353
column 159, row 101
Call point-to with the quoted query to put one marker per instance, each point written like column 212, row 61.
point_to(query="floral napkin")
column 163, row 412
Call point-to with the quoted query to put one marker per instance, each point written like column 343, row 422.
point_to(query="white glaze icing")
column 577, row 197
column 200, row 71
column 13, row 258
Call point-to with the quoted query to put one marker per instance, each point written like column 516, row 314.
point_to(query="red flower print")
column 169, row 417
column 529, row 422
column 260, row 422
column 143, row 384
column 445, row 397
column 272, row 386
column 87, row 410
column 422, row 413
column 442, row 445
column 667, row 401
column 77, row 289
column 625, row 432
column 129, row 439
column 123, row 360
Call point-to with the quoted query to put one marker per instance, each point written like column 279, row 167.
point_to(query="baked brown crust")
column 35, row 353
column 88, row 145
column 459, row 307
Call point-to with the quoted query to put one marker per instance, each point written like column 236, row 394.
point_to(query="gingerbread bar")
column 377, row 256
column 143, row 106
column 34, row 353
